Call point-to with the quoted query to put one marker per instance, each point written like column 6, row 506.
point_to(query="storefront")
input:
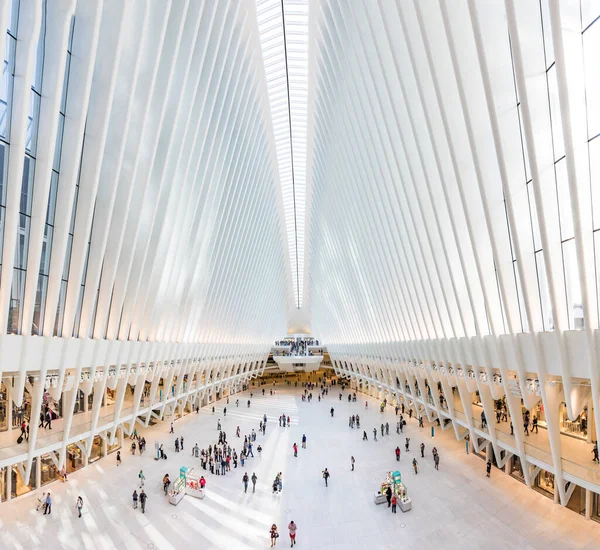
column 516, row 468
column 48, row 470
column 595, row 512
column 3, row 484
column 74, row 458
column 18, row 485
column 496, row 461
column 576, row 428
column 482, row 443
column 577, row 501
column 97, row 449
column 544, row 483
column 117, row 444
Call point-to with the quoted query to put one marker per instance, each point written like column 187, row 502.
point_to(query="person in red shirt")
column 292, row 528
column 202, row 482
column 394, row 502
column 295, row 450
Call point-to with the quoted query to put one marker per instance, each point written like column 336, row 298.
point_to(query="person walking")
column 534, row 425
column 292, row 529
column 295, row 450
column 365, row 438
column 118, row 458
column 254, row 479
column 415, row 465
column 79, row 505
column 397, row 451
column 135, row 499
column 171, row 431
column 406, row 445
column 488, row 468
column 245, row 480
column 303, row 441
column 375, row 434
column 436, row 461
column 181, row 442
column 48, row 420
column 394, row 502
column 526, row 425
column 382, row 430
column 422, row 450
column 388, row 496
column 352, row 461
column 142, row 478
column 274, row 535
column 48, row 507
column 225, row 411
column 143, row 498
column 326, row 476
column 595, row 451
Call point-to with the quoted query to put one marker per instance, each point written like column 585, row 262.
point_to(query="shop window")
column 18, row 485
column 3, row 484
column 496, row 461
column 544, row 483
column 595, row 515
column 48, row 470
column 577, row 501
column 97, row 449
column 74, row 458
column 482, row 443
column 117, row 444
column 576, row 428
column 516, row 469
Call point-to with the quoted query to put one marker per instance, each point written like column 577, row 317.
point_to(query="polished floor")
column 455, row 507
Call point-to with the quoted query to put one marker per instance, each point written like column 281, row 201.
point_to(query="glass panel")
column 544, row 293
column 59, row 139
column 52, row 199
column 32, row 122
column 60, row 310
column 63, row 101
column 27, row 186
column 574, row 302
column 46, row 245
column 22, row 242
column 40, row 301
column 16, row 301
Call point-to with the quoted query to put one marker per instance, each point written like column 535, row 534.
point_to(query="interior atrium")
column 222, row 215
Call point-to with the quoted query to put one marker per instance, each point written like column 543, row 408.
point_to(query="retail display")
column 394, row 480
column 193, row 486
column 177, row 491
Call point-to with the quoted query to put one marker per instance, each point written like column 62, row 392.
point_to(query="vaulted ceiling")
column 385, row 171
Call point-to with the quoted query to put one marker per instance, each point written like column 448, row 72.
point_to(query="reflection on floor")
column 455, row 507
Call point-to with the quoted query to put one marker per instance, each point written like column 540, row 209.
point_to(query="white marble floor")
column 455, row 507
